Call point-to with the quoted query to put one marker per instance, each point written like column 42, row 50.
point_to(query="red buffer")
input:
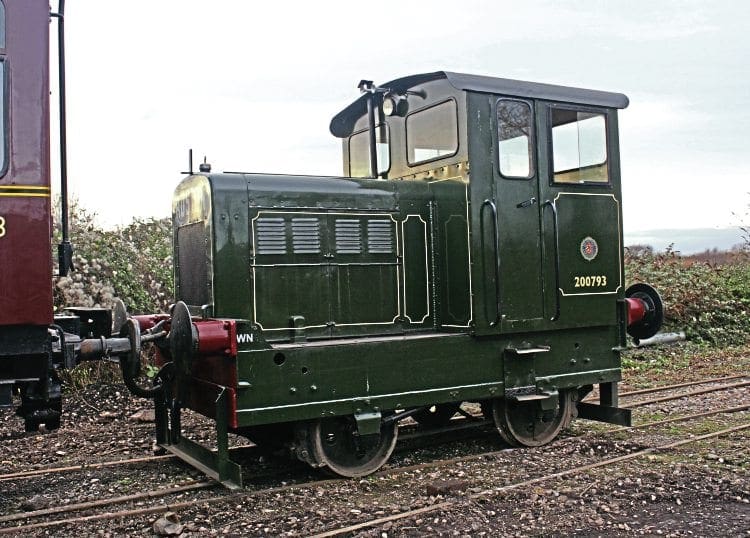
column 645, row 311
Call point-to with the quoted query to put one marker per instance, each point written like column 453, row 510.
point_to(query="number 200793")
column 597, row 281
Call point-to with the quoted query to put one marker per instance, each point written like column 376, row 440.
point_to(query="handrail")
column 496, row 235
column 557, row 258
column 65, row 248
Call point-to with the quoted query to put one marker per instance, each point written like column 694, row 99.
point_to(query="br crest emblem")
column 589, row 248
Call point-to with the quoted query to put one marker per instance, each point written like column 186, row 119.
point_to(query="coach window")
column 514, row 133
column 3, row 119
column 579, row 146
column 3, row 93
column 359, row 152
column 432, row 133
column 2, row 25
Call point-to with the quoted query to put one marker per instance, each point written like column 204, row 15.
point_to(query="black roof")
column 343, row 122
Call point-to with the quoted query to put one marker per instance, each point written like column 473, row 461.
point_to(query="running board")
column 603, row 413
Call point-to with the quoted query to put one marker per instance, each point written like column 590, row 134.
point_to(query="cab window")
column 514, row 139
column 359, row 152
column 579, row 146
column 432, row 133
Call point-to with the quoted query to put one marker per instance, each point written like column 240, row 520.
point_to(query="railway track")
column 153, row 494
column 552, row 476
column 682, row 385
column 679, row 396
column 198, row 486
column 667, row 388
column 410, row 432
column 22, row 475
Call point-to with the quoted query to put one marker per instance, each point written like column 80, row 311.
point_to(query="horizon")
column 688, row 241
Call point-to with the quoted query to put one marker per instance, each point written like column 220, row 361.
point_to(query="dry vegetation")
column 707, row 296
column 133, row 263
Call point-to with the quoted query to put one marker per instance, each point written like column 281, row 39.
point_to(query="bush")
column 133, row 263
column 710, row 302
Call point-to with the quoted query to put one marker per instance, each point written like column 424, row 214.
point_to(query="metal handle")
column 496, row 235
column 555, row 236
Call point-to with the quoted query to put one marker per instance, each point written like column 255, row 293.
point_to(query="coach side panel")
column 25, row 255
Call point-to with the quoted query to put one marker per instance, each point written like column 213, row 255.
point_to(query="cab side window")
column 579, row 146
column 432, row 133
column 514, row 138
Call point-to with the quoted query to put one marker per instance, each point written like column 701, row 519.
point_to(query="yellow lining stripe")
column 28, row 194
column 25, row 187
column 33, row 191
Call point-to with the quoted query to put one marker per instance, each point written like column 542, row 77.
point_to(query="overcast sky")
column 253, row 85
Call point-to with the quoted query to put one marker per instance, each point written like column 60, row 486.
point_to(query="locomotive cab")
column 539, row 167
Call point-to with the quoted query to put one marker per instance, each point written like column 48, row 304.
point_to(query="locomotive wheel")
column 527, row 424
column 436, row 415
column 335, row 444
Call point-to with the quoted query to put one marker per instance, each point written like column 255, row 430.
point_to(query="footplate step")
column 603, row 413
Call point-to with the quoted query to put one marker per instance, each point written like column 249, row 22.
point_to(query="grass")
column 652, row 417
column 87, row 373
column 685, row 361
column 655, row 361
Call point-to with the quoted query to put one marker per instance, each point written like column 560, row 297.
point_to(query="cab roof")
column 342, row 123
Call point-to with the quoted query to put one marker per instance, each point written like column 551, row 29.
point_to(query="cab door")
column 505, row 202
column 581, row 213
column 516, row 187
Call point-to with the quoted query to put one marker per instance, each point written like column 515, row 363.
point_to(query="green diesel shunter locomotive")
column 471, row 252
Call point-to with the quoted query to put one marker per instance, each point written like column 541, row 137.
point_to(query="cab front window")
column 359, row 152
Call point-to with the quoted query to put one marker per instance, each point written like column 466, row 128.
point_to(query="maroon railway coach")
column 26, row 312
column 34, row 342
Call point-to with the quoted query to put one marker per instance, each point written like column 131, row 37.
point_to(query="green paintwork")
column 365, row 295
column 371, row 374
